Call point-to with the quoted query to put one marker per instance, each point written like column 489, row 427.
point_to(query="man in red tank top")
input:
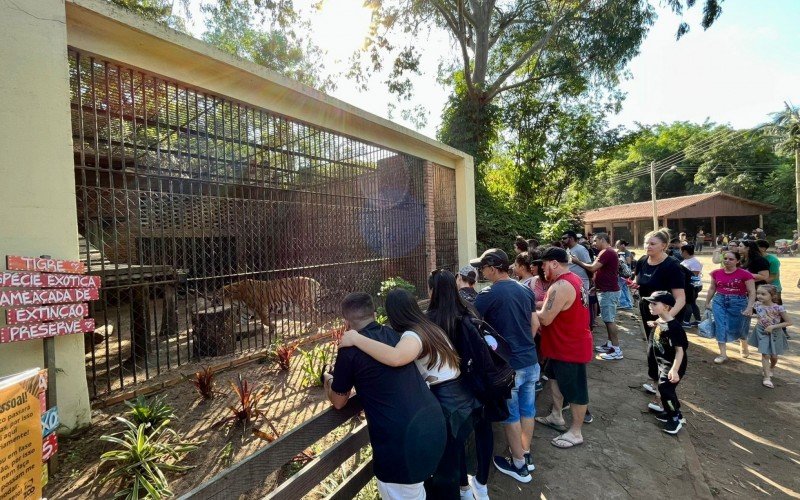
column 567, row 345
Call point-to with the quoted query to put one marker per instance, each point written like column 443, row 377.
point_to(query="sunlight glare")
column 341, row 26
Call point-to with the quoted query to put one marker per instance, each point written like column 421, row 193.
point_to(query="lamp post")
column 653, row 184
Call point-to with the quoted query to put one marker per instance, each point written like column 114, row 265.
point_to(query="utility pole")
column 653, row 194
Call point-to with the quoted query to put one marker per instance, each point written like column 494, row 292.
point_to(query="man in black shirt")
column 405, row 421
column 669, row 351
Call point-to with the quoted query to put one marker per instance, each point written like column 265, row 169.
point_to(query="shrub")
column 396, row 282
column 142, row 458
column 150, row 413
column 313, row 364
column 204, row 382
column 248, row 399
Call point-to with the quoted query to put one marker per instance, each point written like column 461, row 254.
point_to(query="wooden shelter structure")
column 714, row 212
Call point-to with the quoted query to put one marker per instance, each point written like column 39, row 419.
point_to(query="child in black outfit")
column 668, row 350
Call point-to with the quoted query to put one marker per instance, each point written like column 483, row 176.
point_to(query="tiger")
column 275, row 296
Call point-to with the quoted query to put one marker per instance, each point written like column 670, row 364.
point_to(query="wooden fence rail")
column 253, row 470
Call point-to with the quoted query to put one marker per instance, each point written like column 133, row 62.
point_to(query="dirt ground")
column 741, row 439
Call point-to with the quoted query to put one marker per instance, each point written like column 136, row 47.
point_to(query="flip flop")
column 767, row 383
column 564, row 442
column 546, row 421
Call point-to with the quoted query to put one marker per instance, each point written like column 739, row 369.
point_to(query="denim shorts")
column 523, row 396
column 609, row 301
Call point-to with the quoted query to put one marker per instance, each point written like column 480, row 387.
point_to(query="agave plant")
column 142, row 457
column 150, row 413
column 247, row 408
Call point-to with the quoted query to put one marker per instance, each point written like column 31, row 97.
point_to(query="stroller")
column 784, row 247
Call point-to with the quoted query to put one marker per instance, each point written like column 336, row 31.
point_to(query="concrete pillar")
column 465, row 212
column 39, row 214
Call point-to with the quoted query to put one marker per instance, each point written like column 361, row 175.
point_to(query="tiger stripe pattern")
column 275, row 296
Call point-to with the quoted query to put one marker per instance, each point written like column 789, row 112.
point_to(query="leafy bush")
column 396, row 282
column 150, row 413
column 142, row 458
column 204, row 382
column 248, row 398
column 314, row 362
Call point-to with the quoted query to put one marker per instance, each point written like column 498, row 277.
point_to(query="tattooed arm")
column 560, row 296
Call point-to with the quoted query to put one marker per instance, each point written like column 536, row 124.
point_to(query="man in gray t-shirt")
column 578, row 251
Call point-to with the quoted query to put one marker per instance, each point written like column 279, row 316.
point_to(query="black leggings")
column 484, row 446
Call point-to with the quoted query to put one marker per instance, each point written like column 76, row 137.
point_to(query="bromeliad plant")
column 313, row 364
column 204, row 383
column 283, row 354
column 247, row 408
column 150, row 413
column 142, row 457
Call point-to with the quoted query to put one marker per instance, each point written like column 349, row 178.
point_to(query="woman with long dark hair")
column 731, row 297
column 427, row 345
column 449, row 310
column 753, row 261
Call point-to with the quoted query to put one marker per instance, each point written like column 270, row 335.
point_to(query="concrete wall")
column 38, row 186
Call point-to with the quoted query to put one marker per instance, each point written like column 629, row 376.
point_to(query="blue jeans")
column 625, row 298
column 522, row 403
column 729, row 323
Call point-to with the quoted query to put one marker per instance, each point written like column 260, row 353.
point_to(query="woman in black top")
column 753, row 261
column 656, row 271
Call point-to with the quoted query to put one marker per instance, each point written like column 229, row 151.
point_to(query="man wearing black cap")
column 509, row 308
column 567, row 345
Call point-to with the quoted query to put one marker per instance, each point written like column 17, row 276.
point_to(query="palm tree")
column 785, row 127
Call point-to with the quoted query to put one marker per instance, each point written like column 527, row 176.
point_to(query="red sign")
column 46, row 313
column 10, row 298
column 38, row 280
column 15, row 263
column 44, row 330
column 49, row 446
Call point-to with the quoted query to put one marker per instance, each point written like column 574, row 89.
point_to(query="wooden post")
column 49, row 345
column 636, row 233
column 714, row 230
column 761, row 221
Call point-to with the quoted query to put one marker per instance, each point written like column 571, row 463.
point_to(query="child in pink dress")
column 768, row 335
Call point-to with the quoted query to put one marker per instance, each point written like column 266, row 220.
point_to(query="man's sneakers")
column 673, row 426
column 529, row 462
column 506, row 466
column 479, row 491
column 614, row 353
column 604, row 348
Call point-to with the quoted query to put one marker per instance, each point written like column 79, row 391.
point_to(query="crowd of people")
column 433, row 382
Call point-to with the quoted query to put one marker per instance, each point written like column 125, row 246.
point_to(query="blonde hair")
column 772, row 290
column 661, row 234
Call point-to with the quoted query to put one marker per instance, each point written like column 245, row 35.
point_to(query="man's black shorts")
column 571, row 378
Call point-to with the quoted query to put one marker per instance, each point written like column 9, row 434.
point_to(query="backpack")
column 624, row 269
column 484, row 366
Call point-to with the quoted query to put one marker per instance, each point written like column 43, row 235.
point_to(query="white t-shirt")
column 692, row 264
column 437, row 374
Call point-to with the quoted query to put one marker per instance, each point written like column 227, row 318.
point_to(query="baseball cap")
column 492, row 257
column 468, row 272
column 556, row 254
column 663, row 297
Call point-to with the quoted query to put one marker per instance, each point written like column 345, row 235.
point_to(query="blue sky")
column 737, row 72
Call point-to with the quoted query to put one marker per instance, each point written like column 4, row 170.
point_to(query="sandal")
column 549, row 422
column 565, row 441
column 767, row 383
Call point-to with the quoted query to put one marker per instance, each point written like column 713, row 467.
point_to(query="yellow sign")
column 20, row 437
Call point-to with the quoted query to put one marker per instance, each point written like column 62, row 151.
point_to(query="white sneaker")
column 655, row 407
column 649, row 388
column 479, row 491
column 466, row 494
column 603, row 347
column 614, row 354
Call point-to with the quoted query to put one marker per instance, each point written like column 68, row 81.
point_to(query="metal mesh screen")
column 181, row 192
column 444, row 220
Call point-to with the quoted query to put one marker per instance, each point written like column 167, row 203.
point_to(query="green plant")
column 396, row 282
column 204, row 382
column 249, row 397
column 150, row 413
column 313, row 364
column 142, row 458
column 381, row 316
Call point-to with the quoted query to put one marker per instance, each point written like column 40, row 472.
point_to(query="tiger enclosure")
column 220, row 228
